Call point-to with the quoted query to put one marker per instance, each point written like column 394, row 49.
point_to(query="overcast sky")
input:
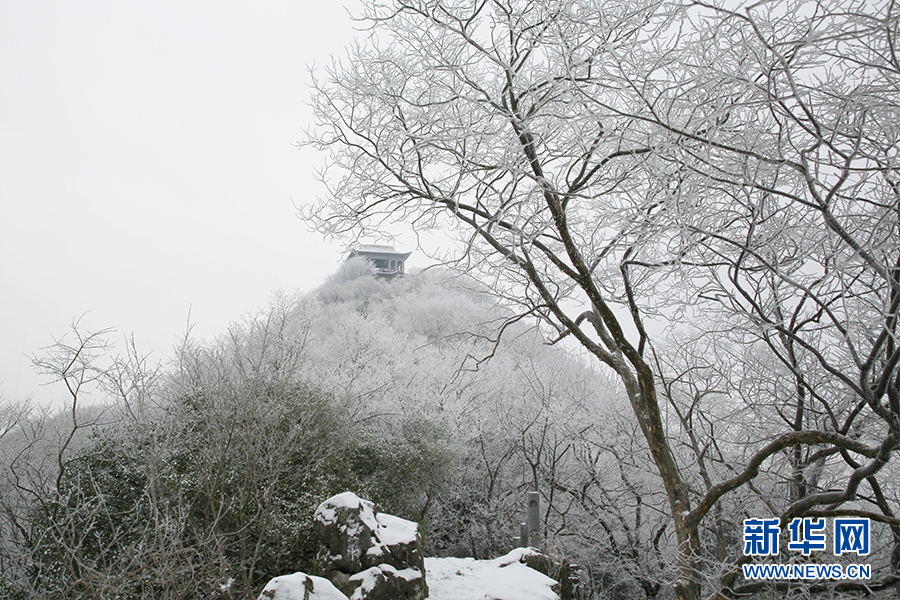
column 147, row 167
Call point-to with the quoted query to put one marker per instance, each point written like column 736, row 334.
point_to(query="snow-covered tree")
column 611, row 166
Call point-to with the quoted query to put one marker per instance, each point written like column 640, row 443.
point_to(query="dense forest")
column 200, row 478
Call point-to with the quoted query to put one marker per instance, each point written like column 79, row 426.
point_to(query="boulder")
column 567, row 575
column 300, row 586
column 384, row 582
column 367, row 553
column 344, row 525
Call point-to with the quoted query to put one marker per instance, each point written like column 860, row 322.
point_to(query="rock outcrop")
column 369, row 555
column 300, row 586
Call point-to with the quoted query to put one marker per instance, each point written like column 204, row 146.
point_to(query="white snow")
column 373, row 572
column 407, row 574
column 503, row 578
column 514, row 556
column 394, row 530
column 368, row 579
column 326, row 513
column 294, row 587
column 387, row 530
column 344, row 500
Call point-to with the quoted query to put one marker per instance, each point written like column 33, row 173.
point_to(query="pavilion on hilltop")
column 388, row 262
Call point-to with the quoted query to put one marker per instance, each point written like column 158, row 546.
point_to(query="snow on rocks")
column 368, row 554
column 344, row 524
column 384, row 582
column 504, row 578
column 300, row 586
column 393, row 531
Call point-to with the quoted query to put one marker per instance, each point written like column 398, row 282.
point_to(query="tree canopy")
column 613, row 167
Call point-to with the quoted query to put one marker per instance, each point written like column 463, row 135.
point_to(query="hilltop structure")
column 388, row 262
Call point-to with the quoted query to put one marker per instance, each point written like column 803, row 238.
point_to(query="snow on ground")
column 503, row 578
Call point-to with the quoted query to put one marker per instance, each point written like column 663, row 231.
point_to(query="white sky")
column 147, row 167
